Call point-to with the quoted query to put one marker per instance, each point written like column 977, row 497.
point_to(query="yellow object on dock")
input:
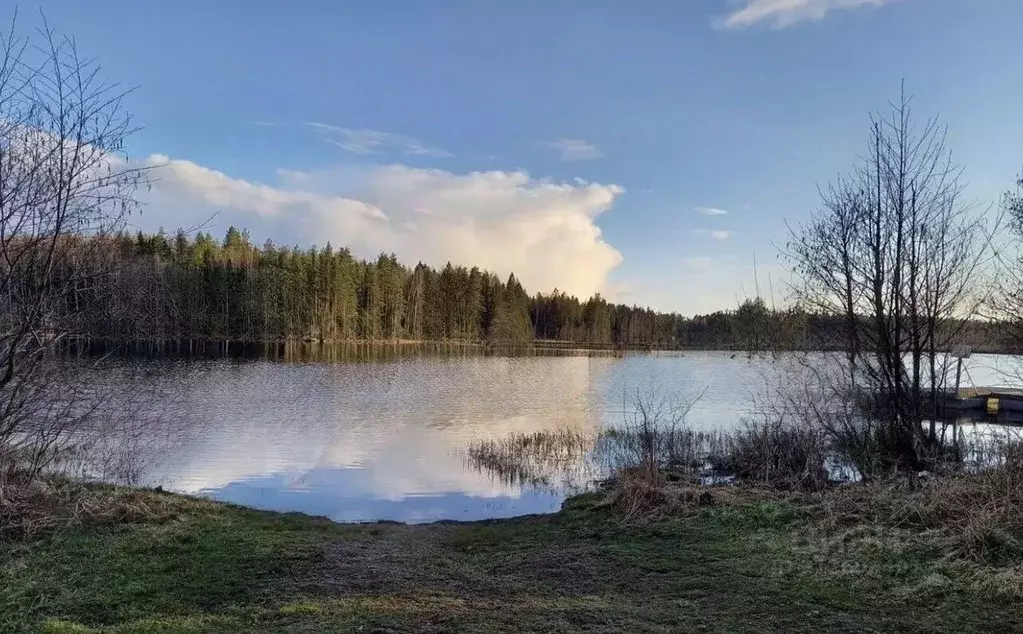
column 992, row 405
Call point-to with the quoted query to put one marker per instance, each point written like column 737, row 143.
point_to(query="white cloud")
column 543, row 231
column 374, row 141
column 712, row 211
column 573, row 149
column 717, row 234
column 782, row 13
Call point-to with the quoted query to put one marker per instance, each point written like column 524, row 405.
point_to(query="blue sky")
column 574, row 142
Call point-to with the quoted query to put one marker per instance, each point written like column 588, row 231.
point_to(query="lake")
column 385, row 439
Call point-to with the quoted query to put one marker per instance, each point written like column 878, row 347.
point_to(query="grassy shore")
column 159, row 562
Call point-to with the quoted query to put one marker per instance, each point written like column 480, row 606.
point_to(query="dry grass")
column 972, row 515
column 976, row 516
column 638, row 498
column 32, row 507
column 971, row 512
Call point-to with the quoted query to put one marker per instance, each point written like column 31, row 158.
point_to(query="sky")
column 652, row 151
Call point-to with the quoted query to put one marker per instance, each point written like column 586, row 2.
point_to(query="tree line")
column 157, row 287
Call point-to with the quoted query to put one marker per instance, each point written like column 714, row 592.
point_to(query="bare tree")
column 1007, row 303
column 895, row 260
column 63, row 177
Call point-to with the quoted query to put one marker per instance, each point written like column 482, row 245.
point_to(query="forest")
column 152, row 287
column 160, row 287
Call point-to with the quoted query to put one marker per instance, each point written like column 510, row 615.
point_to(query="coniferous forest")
column 160, row 287
column 153, row 288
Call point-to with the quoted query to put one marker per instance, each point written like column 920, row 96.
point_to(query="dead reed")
column 541, row 459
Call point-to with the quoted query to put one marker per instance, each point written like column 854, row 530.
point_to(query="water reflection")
column 386, row 439
column 369, row 441
column 349, row 495
column 557, row 460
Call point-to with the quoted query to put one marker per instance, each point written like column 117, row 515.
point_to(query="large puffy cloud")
column 543, row 231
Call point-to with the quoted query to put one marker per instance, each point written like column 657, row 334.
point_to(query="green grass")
column 754, row 567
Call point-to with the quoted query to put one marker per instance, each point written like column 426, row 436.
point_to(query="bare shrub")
column 655, row 438
column 62, row 177
column 893, row 262
column 674, row 454
column 660, row 465
column 816, row 394
column 772, row 451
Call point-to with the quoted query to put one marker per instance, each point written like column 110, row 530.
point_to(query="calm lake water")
column 367, row 440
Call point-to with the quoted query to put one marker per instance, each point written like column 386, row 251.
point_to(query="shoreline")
column 184, row 342
column 743, row 560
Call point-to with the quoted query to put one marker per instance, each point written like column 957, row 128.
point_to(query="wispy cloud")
column 783, row 13
column 573, row 149
column 717, row 234
column 711, row 211
column 700, row 263
column 374, row 141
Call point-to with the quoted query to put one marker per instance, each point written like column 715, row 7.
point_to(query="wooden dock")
column 986, row 400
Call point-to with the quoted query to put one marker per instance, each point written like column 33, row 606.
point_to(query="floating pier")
column 975, row 402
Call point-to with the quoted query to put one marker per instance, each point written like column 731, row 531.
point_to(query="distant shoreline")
column 205, row 346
